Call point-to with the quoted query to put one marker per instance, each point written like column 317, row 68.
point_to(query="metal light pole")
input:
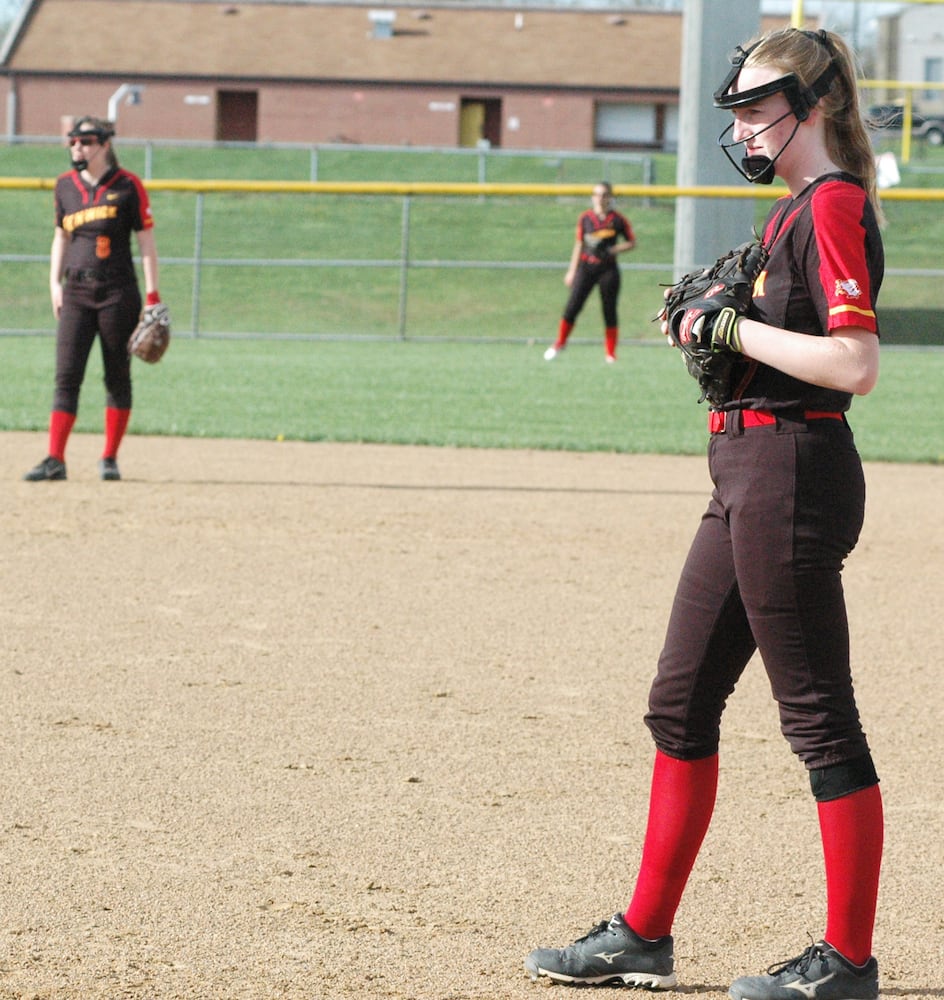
column 130, row 93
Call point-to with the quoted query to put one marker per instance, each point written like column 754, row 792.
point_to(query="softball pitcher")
column 94, row 288
column 764, row 570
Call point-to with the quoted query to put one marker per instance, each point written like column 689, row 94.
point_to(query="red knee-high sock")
column 116, row 423
column 611, row 336
column 563, row 332
column 60, row 427
column 852, row 829
column 681, row 802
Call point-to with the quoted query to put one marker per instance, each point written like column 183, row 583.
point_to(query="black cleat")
column 48, row 468
column 820, row 973
column 108, row 469
column 611, row 953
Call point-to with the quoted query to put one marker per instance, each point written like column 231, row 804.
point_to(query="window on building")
column 625, row 125
column 635, row 125
column 933, row 73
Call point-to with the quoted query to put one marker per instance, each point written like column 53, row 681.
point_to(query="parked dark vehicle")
column 892, row 117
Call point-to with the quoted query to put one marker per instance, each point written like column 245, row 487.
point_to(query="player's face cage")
column 801, row 101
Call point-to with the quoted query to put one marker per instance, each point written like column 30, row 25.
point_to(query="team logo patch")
column 848, row 287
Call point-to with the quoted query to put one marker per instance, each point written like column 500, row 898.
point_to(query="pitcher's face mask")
column 759, row 169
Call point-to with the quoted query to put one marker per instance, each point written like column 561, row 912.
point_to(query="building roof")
column 288, row 40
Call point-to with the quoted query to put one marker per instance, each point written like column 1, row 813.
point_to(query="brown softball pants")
column 89, row 309
column 764, row 573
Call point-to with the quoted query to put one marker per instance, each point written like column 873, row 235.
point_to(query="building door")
column 480, row 120
column 237, row 115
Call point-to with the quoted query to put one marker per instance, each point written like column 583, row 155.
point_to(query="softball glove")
column 702, row 312
column 151, row 336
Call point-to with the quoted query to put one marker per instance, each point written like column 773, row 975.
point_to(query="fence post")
column 404, row 265
column 197, row 254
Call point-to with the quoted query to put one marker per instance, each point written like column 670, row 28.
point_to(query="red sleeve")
column 580, row 228
column 838, row 214
column 144, row 220
column 58, row 210
column 628, row 230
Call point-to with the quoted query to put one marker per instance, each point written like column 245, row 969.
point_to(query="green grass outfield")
column 292, row 295
column 296, row 251
column 495, row 395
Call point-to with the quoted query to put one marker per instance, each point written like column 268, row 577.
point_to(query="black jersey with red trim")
column 596, row 235
column 825, row 270
column 98, row 221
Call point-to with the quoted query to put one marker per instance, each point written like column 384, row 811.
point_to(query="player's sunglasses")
column 84, row 140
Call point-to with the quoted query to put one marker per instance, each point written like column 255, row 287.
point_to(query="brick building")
column 443, row 74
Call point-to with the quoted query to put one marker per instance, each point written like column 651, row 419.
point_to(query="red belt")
column 760, row 418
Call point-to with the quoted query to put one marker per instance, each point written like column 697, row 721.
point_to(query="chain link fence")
column 403, row 257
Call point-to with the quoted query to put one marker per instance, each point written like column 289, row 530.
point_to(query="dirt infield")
column 331, row 721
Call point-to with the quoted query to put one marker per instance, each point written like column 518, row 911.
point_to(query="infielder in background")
column 94, row 288
column 764, row 570
column 602, row 234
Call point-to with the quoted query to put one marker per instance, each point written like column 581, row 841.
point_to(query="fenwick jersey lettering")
column 87, row 215
column 98, row 221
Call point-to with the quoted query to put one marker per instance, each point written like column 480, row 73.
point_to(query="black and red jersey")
column 98, row 221
column 825, row 270
column 597, row 234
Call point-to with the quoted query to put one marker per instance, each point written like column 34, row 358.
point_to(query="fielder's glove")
column 151, row 336
column 702, row 312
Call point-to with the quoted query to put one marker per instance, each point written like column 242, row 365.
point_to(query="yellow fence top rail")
column 470, row 189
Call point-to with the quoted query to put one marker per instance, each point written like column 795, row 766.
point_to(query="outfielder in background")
column 602, row 234
column 94, row 287
column 764, row 569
